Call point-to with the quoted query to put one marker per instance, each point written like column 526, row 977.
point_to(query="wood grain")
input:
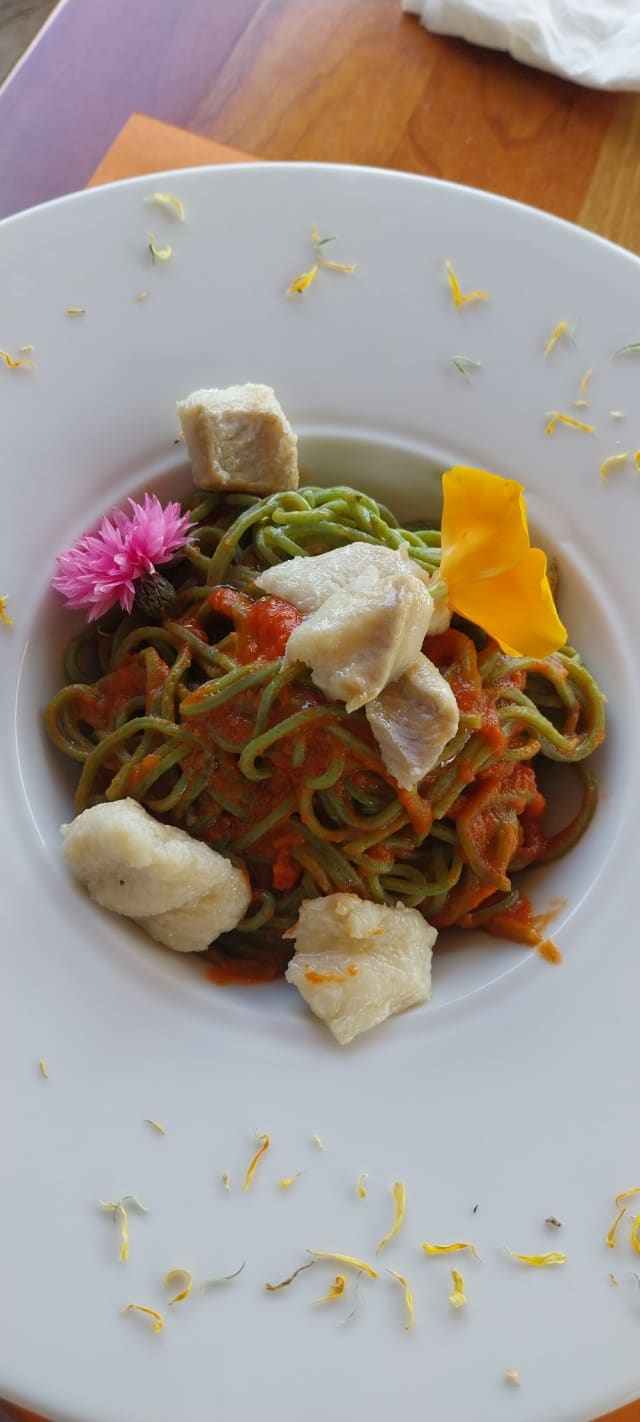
column 352, row 81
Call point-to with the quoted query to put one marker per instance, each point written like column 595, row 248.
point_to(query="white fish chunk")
column 239, row 438
column 184, row 893
column 307, row 582
column 357, row 963
column 355, row 644
column 412, row 720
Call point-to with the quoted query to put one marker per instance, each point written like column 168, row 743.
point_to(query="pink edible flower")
column 101, row 568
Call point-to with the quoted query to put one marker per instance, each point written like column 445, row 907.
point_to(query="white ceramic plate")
column 516, row 1090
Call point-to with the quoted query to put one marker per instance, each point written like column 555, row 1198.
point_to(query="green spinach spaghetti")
column 185, row 705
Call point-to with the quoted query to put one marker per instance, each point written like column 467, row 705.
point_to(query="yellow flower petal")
column 335, row 1290
column 408, row 1298
column 516, row 608
column 458, row 1297
column 301, row 282
column 400, row 1201
column 175, row 1276
column 265, row 1143
column 152, row 1313
column 612, row 1235
column 449, row 1248
column 493, row 575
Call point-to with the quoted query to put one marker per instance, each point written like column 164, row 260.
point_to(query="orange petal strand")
column 515, row 607
column 484, row 524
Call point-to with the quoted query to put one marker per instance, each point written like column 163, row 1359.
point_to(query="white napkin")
column 593, row 42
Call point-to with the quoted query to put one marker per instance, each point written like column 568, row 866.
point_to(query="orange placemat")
column 145, row 145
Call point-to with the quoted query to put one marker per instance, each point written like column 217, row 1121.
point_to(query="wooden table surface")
column 352, row 81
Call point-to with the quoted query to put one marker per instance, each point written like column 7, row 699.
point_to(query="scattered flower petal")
column 256, row 1159
column 289, row 1180
column 4, row 615
column 458, row 1297
column 173, row 1276
column 134, row 1203
column 152, row 1312
column 100, row 569
column 584, row 383
column 14, row 363
column 458, row 298
column 465, row 365
column 562, row 329
column 613, row 461
column 344, row 1259
column 633, row 348
column 580, row 404
column 158, row 254
column 119, row 1213
column 43, row 1069
column 226, row 1180
column 627, row 1194
column 512, row 1376
column 75, row 311
column 142, row 295
column 25, row 350
column 273, row 1288
column 558, row 418
column 361, row 1185
column 336, row 266
column 612, row 1239
column 316, row 1141
column 635, row 1234
column 449, row 1248
column 613, row 1280
column 400, row 1201
column 222, row 1278
column 616, row 415
column 408, row 1298
column 156, row 1126
column 335, row 1290
column 300, row 283
column 538, row 1261
column 493, row 575
column 167, row 200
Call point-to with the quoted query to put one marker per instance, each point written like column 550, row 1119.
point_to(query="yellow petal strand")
column 458, row 1297
column 449, row 1248
column 335, row 1290
column 361, row 1185
column 460, row 299
column 400, row 1201
column 158, row 254
column 13, row 363
column 336, row 266
column 408, row 1298
column 626, row 1195
column 538, row 1261
column 4, row 615
column 43, row 1069
column 316, row 1141
column 585, row 380
column 561, row 329
column 256, row 1159
column 156, row 1126
column 289, row 1180
column 612, row 1236
column 167, row 200
column 558, row 418
column 75, row 311
column 635, row 1234
column 344, row 1259
column 119, row 1213
column 152, row 1312
column 300, row 283
column 516, row 607
column 173, row 1277
column 613, row 1280
column 636, row 460
column 614, row 461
